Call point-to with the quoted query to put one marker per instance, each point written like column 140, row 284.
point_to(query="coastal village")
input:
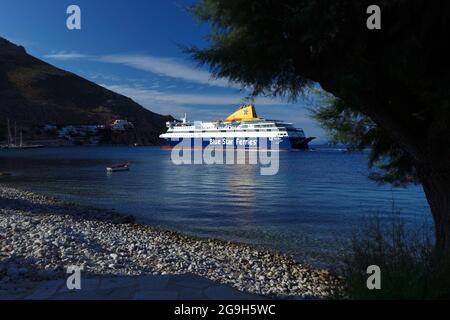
column 88, row 134
column 54, row 135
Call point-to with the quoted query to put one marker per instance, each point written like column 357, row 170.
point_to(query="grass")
column 411, row 267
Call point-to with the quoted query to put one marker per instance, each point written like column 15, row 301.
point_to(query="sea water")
column 309, row 209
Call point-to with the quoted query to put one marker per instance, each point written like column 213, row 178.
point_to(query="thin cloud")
column 146, row 96
column 62, row 55
column 162, row 66
column 168, row 67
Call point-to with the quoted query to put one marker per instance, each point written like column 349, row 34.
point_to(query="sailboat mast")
column 9, row 134
column 15, row 133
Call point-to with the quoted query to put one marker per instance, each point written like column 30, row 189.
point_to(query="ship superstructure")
column 241, row 129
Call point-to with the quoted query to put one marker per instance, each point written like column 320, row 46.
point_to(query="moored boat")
column 119, row 167
column 12, row 140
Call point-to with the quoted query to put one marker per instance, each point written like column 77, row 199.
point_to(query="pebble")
column 41, row 236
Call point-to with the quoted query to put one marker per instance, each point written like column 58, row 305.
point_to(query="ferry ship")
column 242, row 129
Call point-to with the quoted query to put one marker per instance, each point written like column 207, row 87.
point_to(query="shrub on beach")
column 411, row 267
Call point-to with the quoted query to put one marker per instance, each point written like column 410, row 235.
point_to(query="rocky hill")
column 34, row 93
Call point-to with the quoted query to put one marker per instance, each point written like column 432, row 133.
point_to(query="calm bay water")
column 309, row 209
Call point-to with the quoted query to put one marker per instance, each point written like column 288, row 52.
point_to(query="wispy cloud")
column 147, row 96
column 168, row 67
column 98, row 76
column 63, row 55
column 162, row 66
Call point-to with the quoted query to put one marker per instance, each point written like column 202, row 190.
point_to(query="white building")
column 50, row 127
column 66, row 131
column 84, row 130
column 121, row 125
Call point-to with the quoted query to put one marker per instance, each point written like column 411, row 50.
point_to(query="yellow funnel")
column 244, row 113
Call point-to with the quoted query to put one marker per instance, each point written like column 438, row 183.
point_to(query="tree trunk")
column 436, row 184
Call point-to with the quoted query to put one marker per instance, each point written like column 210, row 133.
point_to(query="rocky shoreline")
column 41, row 236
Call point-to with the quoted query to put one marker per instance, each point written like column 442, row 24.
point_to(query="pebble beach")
column 41, row 236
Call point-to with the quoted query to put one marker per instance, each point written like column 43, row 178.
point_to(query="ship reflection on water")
column 314, row 203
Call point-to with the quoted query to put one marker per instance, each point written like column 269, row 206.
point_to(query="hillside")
column 34, row 93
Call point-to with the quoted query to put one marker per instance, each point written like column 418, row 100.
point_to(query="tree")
column 391, row 87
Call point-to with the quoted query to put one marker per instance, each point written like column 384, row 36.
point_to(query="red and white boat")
column 119, row 167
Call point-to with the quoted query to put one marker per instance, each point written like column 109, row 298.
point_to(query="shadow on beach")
column 40, row 237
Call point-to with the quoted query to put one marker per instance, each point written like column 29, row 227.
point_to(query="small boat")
column 119, row 167
column 12, row 141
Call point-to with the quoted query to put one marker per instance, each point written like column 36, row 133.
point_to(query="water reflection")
column 315, row 197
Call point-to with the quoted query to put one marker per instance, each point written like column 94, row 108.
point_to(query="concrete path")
column 151, row 287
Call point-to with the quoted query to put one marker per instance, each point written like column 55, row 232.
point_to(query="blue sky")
column 133, row 47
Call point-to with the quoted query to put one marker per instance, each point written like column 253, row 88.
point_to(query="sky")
column 134, row 48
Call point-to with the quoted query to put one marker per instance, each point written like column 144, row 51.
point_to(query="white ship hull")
column 241, row 131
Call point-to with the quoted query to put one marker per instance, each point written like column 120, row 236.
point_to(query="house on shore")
column 121, row 125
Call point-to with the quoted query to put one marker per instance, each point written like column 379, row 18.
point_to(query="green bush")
column 411, row 268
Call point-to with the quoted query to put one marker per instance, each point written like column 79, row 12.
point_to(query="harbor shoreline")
column 40, row 236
